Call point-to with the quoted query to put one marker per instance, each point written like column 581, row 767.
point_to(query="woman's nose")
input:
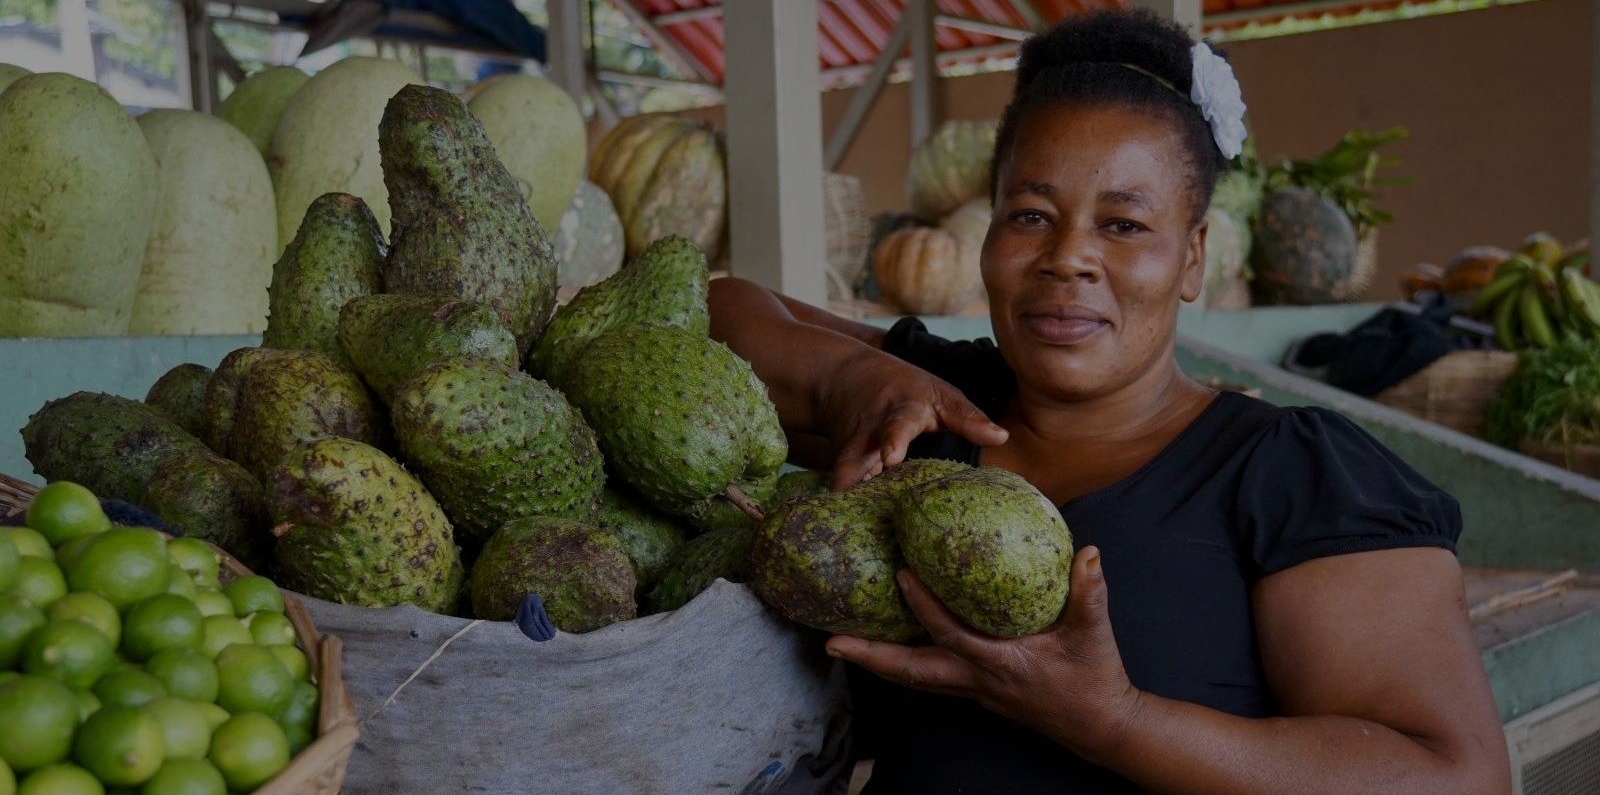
column 1074, row 254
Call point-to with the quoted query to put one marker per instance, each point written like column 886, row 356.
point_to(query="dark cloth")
column 1382, row 351
column 1248, row 489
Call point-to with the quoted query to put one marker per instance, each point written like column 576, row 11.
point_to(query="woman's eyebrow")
column 1037, row 188
column 1133, row 197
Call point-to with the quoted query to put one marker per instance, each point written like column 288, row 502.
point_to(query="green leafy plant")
column 1554, row 396
column 1346, row 174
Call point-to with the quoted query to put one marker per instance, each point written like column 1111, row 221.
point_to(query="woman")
column 1264, row 600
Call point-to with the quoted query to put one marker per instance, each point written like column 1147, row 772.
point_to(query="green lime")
column 8, row 779
column 61, row 780
column 88, row 703
column 9, row 564
column 195, row 557
column 161, row 622
column 63, row 511
column 128, row 688
column 184, row 725
column 180, row 583
column 28, row 542
column 39, row 581
column 37, row 719
column 90, row 609
column 249, row 750
column 222, row 632
column 270, row 629
column 123, row 564
column 72, row 550
column 215, row 715
column 298, row 739
column 301, row 711
column 121, row 746
column 254, row 593
column 213, row 602
column 186, row 777
column 70, row 652
column 252, row 679
column 18, row 619
column 294, row 659
column 186, row 674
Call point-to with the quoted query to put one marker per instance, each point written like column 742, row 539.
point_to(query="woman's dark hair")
column 1086, row 60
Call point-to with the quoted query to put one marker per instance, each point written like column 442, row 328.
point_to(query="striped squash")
column 922, row 270
column 666, row 176
column 950, row 168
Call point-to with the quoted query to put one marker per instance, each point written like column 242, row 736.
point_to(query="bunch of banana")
column 1537, row 296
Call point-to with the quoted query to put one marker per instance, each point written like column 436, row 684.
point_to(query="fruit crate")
column 319, row 769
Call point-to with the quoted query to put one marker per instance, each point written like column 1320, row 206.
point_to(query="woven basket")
column 1582, row 459
column 1453, row 391
column 848, row 230
column 318, row 769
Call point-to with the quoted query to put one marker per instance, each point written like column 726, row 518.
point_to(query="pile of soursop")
column 421, row 427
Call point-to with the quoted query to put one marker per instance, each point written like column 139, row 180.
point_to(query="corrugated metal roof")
column 851, row 33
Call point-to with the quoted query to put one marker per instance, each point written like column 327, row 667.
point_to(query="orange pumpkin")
column 925, row 271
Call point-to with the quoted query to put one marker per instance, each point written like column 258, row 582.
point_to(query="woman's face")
column 1090, row 249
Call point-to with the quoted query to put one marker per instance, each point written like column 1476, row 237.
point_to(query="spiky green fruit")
column 650, row 537
column 336, row 255
column 666, row 285
column 108, row 444
column 828, row 560
column 494, row 444
column 679, row 416
column 221, row 401
column 579, row 571
column 180, row 393
column 390, row 338
column 301, row 397
column 203, row 495
column 719, row 554
column 460, row 224
column 357, row 529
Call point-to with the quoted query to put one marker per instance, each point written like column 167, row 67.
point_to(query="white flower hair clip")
column 1215, row 91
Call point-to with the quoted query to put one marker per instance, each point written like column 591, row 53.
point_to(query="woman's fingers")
column 1086, row 615
column 922, row 667
column 958, row 414
column 946, row 628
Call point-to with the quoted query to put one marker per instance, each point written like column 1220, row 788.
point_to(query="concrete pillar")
column 563, row 42
column 1186, row 12
column 1594, row 127
column 924, row 70
column 775, row 146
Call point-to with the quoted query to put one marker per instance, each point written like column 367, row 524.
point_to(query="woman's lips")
column 1064, row 326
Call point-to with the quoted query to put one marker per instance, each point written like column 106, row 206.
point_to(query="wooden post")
column 924, row 70
column 563, row 44
column 775, row 146
column 202, row 82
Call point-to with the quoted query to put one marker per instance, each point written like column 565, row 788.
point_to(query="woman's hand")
column 1066, row 682
column 873, row 405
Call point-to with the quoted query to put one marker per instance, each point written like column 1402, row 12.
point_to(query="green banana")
column 1584, row 298
column 1577, row 260
column 1505, row 281
column 1535, row 323
column 1505, row 323
column 1550, row 295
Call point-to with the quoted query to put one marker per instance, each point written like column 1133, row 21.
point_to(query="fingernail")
column 1093, row 565
column 832, row 652
column 902, row 579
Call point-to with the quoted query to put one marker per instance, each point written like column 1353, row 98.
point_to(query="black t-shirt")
column 1248, row 489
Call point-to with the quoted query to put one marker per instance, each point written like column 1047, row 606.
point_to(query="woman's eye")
column 1029, row 218
column 1124, row 227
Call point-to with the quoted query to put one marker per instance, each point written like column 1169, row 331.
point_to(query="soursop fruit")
column 650, row 538
column 667, row 286
column 355, row 528
column 336, row 255
column 723, row 513
column 719, row 554
column 180, row 393
column 580, row 571
column 296, row 398
column 495, row 444
column 201, row 494
column 108, row 444
column 828, row 560
column 679, row 416
column 990, row 546
column 223, row 391
column 390, row 338
column 460, row 224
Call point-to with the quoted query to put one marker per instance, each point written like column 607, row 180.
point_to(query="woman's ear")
column 1193, row 276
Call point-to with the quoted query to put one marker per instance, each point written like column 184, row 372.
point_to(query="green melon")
column 209, row 261
column 256, row 105
column 1305, row 249
column 327, row 140
column 10, row 73
column 666, row 176
column 538, row 132
column 1226, row 255
column 589, row 240
column 76, row 209
column 951, row 168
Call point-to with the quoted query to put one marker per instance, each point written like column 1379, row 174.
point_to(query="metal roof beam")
column 667, row 46
column 1274, row 11
column 653, row 81
column 686, row 15
column 982, row 26
column 924, row 71
column 1030, row 15
column 865, row 96
column 564, row 47
column 944, row 59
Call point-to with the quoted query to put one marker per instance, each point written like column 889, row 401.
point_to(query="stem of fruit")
column 743, row 501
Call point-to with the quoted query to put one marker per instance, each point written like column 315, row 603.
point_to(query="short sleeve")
column 973, row 366
column 1317, row 485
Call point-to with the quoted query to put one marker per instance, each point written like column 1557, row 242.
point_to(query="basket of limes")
column 131, row 661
